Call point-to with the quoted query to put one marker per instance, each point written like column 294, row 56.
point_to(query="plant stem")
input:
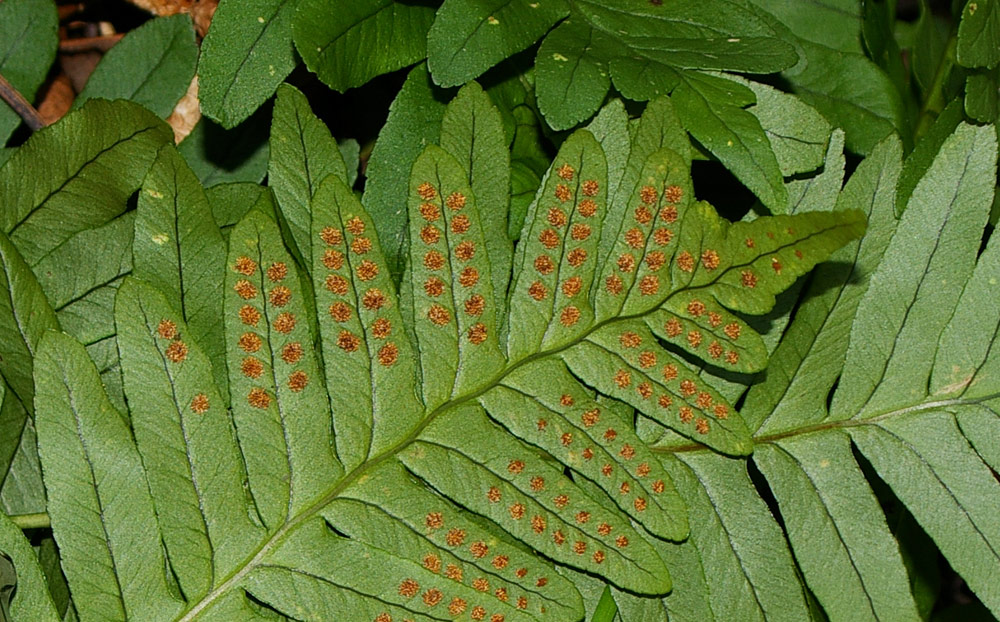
column 31, row 521
column 934, row 101
column 21, row 106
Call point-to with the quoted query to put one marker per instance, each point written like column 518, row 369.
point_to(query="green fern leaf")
column 98, row 491
column 433, row 454
column 281, row 413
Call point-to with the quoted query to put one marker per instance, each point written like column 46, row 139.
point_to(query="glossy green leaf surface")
column 28, row 41
column 246, row 54
column 167, row 55
column 334, row 40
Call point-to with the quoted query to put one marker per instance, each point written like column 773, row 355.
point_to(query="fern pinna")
column 420, row 452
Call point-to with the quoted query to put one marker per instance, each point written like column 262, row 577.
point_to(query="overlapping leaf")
column 441, row 445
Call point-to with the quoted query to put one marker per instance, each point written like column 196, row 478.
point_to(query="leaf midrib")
column 842, row 424
column 358, row 472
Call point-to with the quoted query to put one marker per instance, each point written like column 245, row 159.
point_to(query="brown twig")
column 89, row 44
column 21, row 106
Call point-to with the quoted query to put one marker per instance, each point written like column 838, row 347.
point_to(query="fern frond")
column 443, row 448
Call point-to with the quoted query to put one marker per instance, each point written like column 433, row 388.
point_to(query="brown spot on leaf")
column 336, row 284
column 475, row 305
column 549, row 238
column 355, row 226
column 367, row 271
column 199, row 404
column 590, row 417
column 544, row 264
column 590, row 188
column 284, row 323
column 500, row 562
column 613, row 285
column 333, row 259
column 331, row 236
column 647, row 359
column 388, row 355
column 630, row 339
column 245, row 289
column 430, row 234
column 479, row 549
column 280, row 296
column 649, row 285
column 516, row 511
column 426, row 191
column 579, row 547
column 673, row 194
column 537, row 524
column 277, row 272
column 560, row 501
column 662, row 236
column 249, row 315
column 515, row 466
column 537, row 291
column 566, row 439
column 537, row 483
column 701, row 426
column 297, row 381
column 669, row 214
column 361, row 245
column 381, row 328
column 714, row 349
column 686, row 414
column 576, row 257
column 176, row 352
column 408, row 588
column 696, row 308
column 249, row 342
column 438, row 315
column 251, row 367
column 245, row 266
column 258, row 398
column 563, row 192
column 347, row 341
column 434, row 520
column 626, row 262
column 635, row 238
column 477, row 333
column 456, row 607
column 582, row 517
column 455, row 537
column 648, row 195
column 587, row 208
column 580, row 232
column 569, row 316
column 340, row 311
column 455, row 201
column 556, row 217
column 373, row 299
column 673, row 328
column 622, row 378
column 642, row 215
column 166, row 329
column 669, row 372
column 460, row 224
column 694, row 338
column 685, row 262
column 566, row 172
column 572, row 286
